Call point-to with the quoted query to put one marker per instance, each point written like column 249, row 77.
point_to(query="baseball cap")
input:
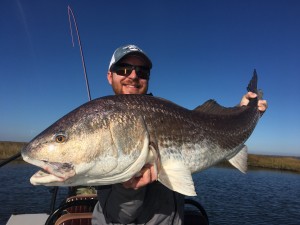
column 128, row 50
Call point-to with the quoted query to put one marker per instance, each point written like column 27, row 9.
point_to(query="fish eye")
column 60, row 138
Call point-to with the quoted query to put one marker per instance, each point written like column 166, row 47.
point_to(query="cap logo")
column 131, row 48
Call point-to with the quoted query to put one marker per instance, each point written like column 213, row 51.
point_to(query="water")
column 259, row 197
column 228, row 196
column 18, row 196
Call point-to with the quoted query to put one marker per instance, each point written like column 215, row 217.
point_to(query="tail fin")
column 252, row 86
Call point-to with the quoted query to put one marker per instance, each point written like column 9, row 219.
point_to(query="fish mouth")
column 51, row 171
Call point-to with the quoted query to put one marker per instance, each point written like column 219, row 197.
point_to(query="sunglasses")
column 142, row 72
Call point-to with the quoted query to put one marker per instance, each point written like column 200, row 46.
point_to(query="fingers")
column 262, row 105
column 129, row 184
column 251, row 95
column 146, row 176
column 246, row 98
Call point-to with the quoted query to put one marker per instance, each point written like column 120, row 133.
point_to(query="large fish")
column 108, row 140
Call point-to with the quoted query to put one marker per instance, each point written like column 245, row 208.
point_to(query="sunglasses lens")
column 126, row 70
column 123, row 71
column 142, row 73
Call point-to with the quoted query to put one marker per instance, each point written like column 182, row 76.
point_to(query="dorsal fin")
column 212, row 107
column 208, row 106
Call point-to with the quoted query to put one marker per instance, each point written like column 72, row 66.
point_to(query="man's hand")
column 262, row 104
column 147, row 175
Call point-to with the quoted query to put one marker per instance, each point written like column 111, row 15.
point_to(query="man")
column 141, row 199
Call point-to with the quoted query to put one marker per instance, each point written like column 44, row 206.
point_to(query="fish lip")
column 58, row 169
column 62, row 171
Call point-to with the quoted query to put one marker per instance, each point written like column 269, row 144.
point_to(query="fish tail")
column 252, row 86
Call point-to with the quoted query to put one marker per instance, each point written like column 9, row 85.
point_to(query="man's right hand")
column 147, row 175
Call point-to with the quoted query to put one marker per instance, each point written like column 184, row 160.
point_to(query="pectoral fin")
column 175, row 176
column 240, row 159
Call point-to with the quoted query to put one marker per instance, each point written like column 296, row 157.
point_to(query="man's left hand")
column 262, row 104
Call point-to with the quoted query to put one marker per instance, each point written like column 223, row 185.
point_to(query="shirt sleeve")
column 121, row 205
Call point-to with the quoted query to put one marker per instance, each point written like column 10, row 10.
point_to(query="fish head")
column 49, row 152
column 70, row 147
column 89, row 146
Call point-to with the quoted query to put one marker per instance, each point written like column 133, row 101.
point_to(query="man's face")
column 131, row 84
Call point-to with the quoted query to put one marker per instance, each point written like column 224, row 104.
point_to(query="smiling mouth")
column 131, row 86
column 51, row 172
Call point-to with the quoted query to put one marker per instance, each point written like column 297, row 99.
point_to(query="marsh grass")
column 275, row 162
column 8, row 148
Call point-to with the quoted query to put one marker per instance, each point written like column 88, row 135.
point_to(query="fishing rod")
column 12, row 158
column 70, row 13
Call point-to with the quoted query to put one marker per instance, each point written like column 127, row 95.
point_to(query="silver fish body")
column 109, row 139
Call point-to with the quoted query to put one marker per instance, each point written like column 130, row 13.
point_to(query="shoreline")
column 284, row 163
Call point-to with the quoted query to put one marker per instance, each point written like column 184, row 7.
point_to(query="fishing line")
column 70, row 13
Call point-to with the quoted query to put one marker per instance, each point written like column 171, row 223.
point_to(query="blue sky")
column 200, row 50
